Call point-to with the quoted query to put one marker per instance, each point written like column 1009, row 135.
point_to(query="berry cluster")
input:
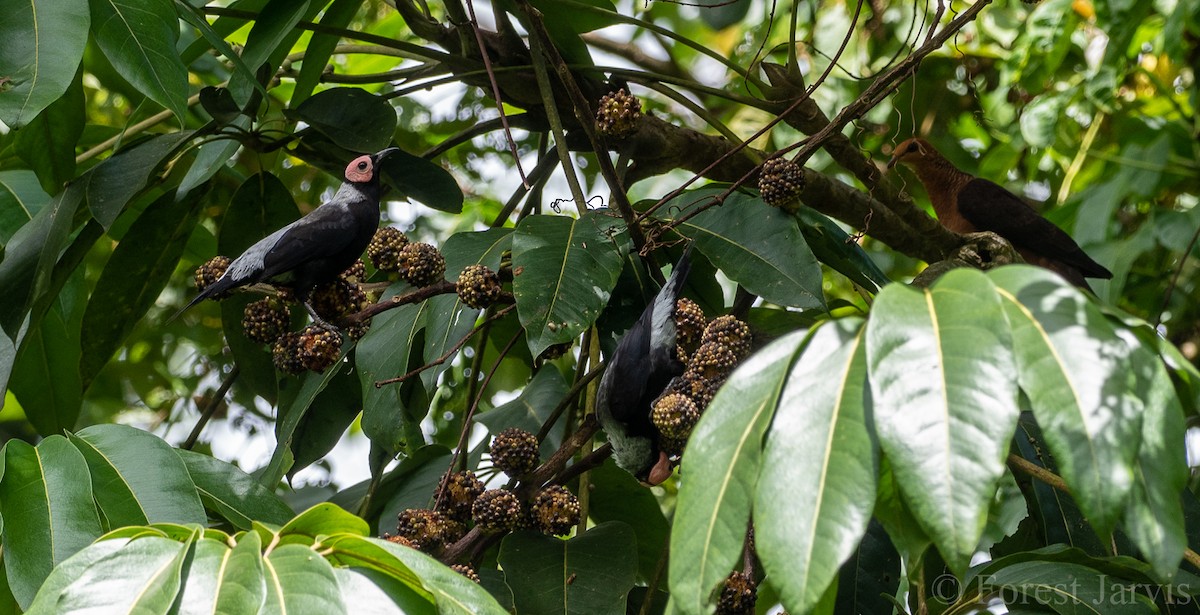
column 478, row 286
column 515, row 452
column 718, row 347
column 210, row 272
column 618, row 114
column 780, row 183
column 737, row 595
column 384, row 249
column 315, row 348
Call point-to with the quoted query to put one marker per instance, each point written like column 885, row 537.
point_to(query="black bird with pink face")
column 317, row 247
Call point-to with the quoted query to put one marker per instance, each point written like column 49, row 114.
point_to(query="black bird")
column 638, row 372
column 317, row 247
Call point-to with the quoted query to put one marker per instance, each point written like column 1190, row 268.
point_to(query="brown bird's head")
column 912, row 152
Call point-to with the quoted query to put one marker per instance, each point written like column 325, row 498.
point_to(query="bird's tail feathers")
column 221, row 285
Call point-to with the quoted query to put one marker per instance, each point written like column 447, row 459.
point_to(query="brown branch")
column 210, row 409
column 416, row 295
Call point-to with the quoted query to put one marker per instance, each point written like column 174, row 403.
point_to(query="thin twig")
column 567, row 400
column 210, row 408
column 487, row 65
column 466, row 428
column 452, row 351
column 1183, row 259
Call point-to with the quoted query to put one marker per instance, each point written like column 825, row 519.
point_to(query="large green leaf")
column 586, row 575
column 222, row 579
column 21, row 197
column 820, row 450
column 615, row 495
column 567, row 269
column 47, row 144
column 261, row 205
column 117, row 180
column 211, row 157
column 45, row 375
column 1083, row 383
column 30, row 255
column 137, row 476
column 46, row 502
column 68, row 571
column 366, row 591
column 43, row 45
column 352, row 118
column 138, row 37
column 871, row 576
column 1153, row 517
column 321, row 46
column 271, row 36
column 757, row 246
column 1068, row 588
column 834, row 247
column 713, row 511
column 322, row 427
column 944, row 391
column 296, row 396
column 134, row 277
column 231, row 493
column 299, row 581
column 454, row 593
column 144, row 576
column 531, row 408
column 423, row 180
column 385, row 352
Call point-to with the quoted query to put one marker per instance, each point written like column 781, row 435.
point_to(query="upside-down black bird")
column 638, row 372
column 317, row 247
column 968, row 204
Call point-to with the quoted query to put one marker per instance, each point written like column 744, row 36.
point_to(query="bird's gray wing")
column 325, row 231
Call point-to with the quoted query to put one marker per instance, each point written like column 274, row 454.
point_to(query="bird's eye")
column 912, row 147
column 362, row 166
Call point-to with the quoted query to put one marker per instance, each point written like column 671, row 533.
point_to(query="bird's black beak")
column 895, row 159
column 380, row 155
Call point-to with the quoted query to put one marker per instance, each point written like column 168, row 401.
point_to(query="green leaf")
column 454, row 593
column 615, row 495
column 43, row 45
column 134, row 277
column 833, row 247
column 65, row 573
column 322, row 519
column 820, row 450
column 30, row 257
column 138, row 477
column 138, row 37
column 891, row 511
column 320, row 47
column 261, row 206
column 46, row 503
column 231, row 493
column 366, row 591
column 410, row 484
column 1039, row 119
column 272, row 36
column 871, row 576
column 194, row 16
column 756, row 245
column 117, row 180
column 1153, row 517
column 322, row 427
column 384, row 353
column 300, row 581
column 568, row 269
column 474, row 248
column 45, row 376
column 141, row 577
column 722, row 465
column 211, row 157
column 586, row 575
column 1069, row 588
column 720, row 14
column 423, row 180
column 221, row 579
column 21, row 197
column 352, row 118
column 47, row 144
column 1083, row 384
column 296, row 397
column 944, row 390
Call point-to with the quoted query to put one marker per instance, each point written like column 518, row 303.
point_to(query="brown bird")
column 968, row 204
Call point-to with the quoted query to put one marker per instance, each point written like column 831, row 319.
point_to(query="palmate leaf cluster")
column 992, row 437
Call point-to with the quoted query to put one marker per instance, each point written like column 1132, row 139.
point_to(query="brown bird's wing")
column 992, row 208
